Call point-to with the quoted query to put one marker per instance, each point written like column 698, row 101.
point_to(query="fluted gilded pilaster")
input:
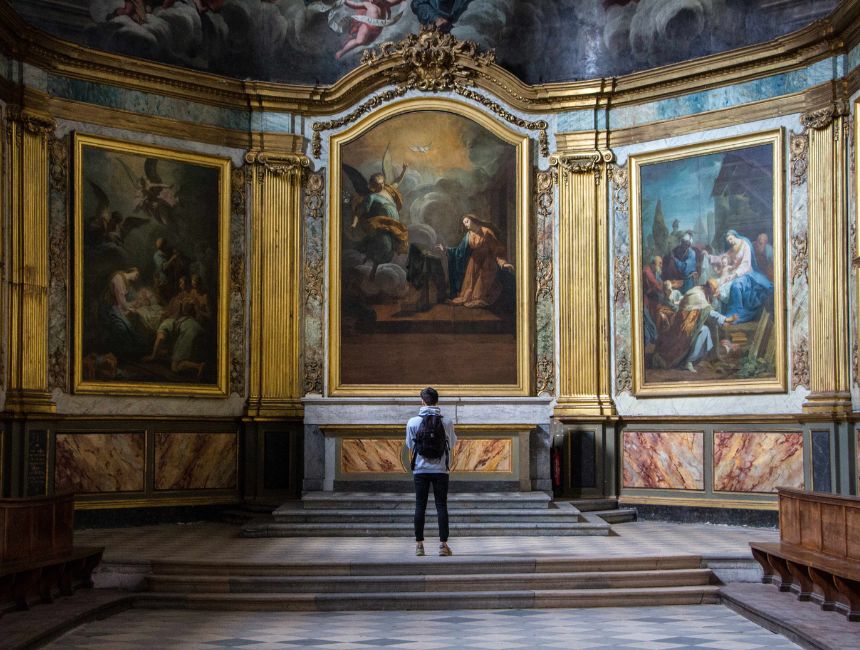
column 27, row 136
column 583, row 281
column 829, row 347
column 276, row 261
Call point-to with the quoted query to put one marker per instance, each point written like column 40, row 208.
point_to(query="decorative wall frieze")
column 822, row 118
column 313, row 277
column 800, row 365
column 239, row 182
column 583, row 163
column 430, row 61
column 799, row 258
column 799, row 151
column 545, row 183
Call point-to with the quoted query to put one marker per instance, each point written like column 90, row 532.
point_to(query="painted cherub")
column 368, row 22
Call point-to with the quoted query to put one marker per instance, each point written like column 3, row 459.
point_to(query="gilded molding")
column 540, row 126
column 430, row 61
column 800, row 365
column 799, row 148
column 31, row 122
column 799, row 258
column 362, row 109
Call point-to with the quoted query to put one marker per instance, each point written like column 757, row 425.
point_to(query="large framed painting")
column 151, row 254
column 707, row 241
column 429, row 254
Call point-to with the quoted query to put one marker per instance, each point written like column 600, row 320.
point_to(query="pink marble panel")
column 757, row 461
column 196, row 461
column 664, row 459
column 362, row 456
column 99, row 462
column 483, row 455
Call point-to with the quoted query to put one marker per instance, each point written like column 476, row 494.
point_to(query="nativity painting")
column 429, row 259
column 150, row 236
column 708, row 288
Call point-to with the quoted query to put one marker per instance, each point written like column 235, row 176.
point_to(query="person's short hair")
column 430, row 396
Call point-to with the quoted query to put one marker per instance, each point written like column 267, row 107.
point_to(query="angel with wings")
column 109, row 228
column 154, row 197
column 376, row 210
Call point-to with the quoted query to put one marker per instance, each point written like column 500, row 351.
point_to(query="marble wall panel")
column 857, row 464
column 664, row 459
column 99, row 462
column 196, row 461
column 477, row 455
column 756, row 461
column 362, row 456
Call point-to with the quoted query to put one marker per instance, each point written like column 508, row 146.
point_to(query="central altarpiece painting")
column 429, row 253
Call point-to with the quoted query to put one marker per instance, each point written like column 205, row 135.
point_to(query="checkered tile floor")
column 645, row 628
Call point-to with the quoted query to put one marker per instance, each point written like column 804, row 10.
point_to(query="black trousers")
column 440, row 496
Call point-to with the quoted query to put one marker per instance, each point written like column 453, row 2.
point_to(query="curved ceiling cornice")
column 824, row 38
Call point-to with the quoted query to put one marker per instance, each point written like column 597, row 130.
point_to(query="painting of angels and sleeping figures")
column 428, row 253
column 149, row 271
column 709, row 288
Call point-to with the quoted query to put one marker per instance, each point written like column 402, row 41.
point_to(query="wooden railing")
column 37, row 556
column 818, row 555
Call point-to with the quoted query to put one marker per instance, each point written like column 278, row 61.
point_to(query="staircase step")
column 405, row 529
column 424, row 583
column 406, row 500
column 465, row 515
column 456, row 565
column 520, row 599
column 616, row 516
column 590, row 505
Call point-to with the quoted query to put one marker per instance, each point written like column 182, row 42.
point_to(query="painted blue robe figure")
column 682, row 263
column 441, row 13
column 749, row 290
column 120, row 334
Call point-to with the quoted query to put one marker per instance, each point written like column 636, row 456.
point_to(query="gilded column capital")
column 821, row 118
column 31, row 121
column 276, row 164
column 588, row 162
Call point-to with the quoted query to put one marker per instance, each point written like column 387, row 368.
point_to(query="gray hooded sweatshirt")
column 423, row 465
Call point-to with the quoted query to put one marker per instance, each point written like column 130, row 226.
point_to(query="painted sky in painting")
column 317, row 41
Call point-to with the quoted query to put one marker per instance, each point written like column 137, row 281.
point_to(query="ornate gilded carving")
column 314, row 198
column 585, row 163
column 57, row 364
column 623, row 374
column 800, row 365
column 540, row 126
column 799, row 148
column 620, row 196
column 275, row 165
column 622, row 279
column 59, row 163
column 314, row 270
column 238, row 253
column 362, row 109
column 855, row 362
column 545, row 205
column 430, row 61
column 799, row 257
column 822, row 118
column 545, row 375
column 313, row 382
column 238, row 190
column 30, row 122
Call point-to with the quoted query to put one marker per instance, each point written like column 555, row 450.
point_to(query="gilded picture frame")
column 719, row 196
column 159, row 218
column 428, row 136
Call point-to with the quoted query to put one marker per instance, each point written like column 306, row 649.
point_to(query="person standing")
column 430, row 438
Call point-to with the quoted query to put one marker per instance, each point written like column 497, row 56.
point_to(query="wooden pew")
column 818, row 555
column 37, row 556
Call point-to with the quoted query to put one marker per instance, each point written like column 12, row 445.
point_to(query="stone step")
column 458, row 515
column 425, row 583
column 590, row 505
column 430, row 565
column 617, row 515
column 520, row 599
column 406, row 500
column 405, row 529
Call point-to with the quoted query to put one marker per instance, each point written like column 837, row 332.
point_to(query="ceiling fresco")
column 318, row 41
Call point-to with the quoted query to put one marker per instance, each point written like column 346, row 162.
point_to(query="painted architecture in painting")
column 239, row 236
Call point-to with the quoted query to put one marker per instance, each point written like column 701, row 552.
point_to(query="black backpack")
column 431, row 441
